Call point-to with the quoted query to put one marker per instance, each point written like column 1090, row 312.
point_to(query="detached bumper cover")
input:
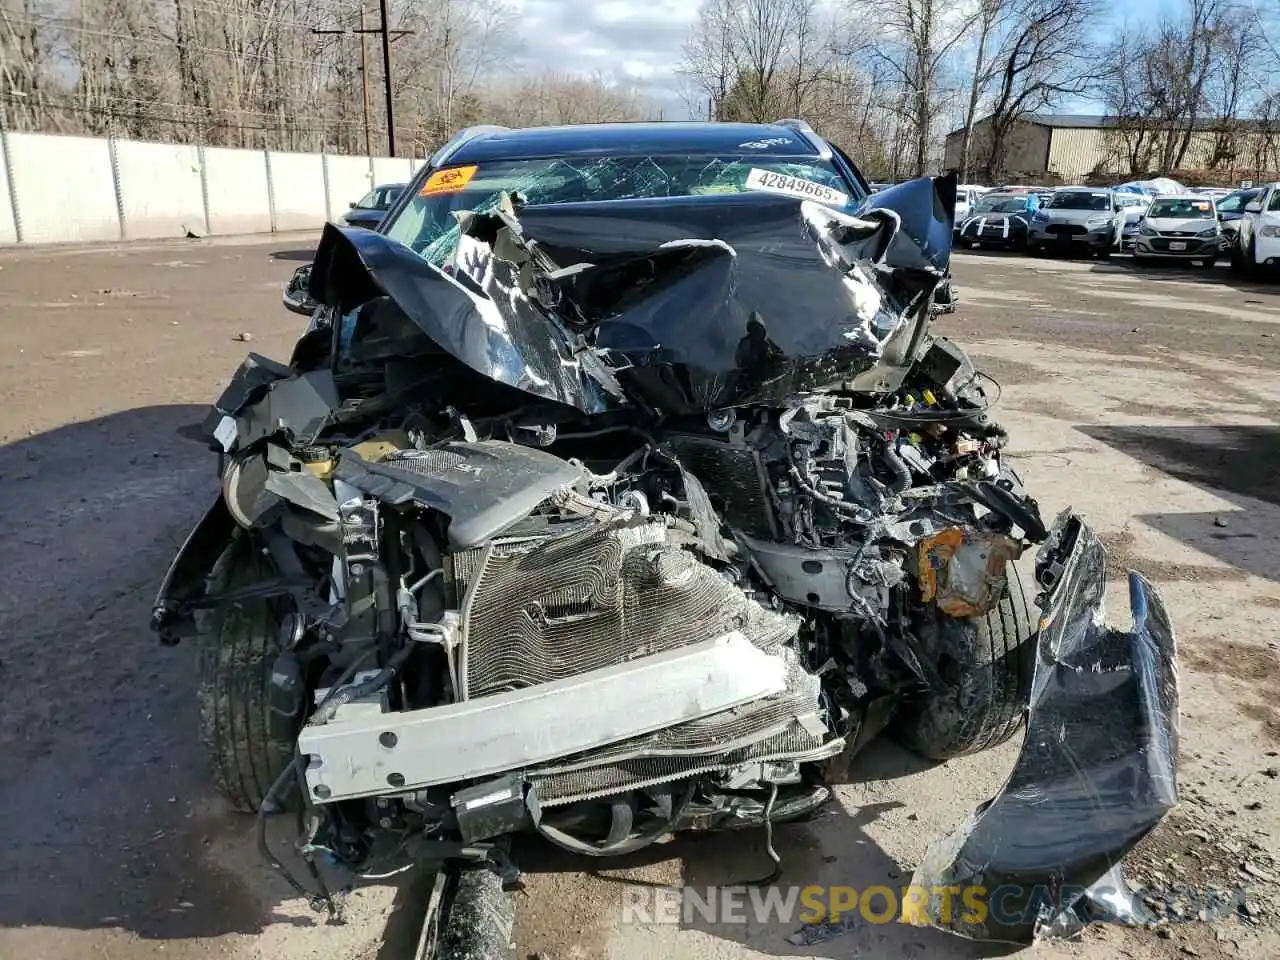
column 1096, row 773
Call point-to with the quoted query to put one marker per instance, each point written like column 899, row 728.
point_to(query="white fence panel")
column 64, row 187
column 390, row 170
column 8, row 227
column 58, row 189
column 236, row 182
column 160, row 192
column 297, row 189
column 349, row 180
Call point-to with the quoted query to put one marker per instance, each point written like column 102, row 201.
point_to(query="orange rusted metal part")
column 963, row 570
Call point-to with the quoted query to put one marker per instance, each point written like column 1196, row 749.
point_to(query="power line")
column 178, row 121
column 386, row 33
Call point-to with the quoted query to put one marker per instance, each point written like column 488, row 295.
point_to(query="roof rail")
column 807, row 133
column 794, row 124
column 463, row 136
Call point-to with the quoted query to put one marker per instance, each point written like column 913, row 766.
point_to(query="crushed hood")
column 677, row 304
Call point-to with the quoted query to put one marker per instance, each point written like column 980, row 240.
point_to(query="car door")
column 1244, row 235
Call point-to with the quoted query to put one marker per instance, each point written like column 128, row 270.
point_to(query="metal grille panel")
column 732, row 475
column 562, row 606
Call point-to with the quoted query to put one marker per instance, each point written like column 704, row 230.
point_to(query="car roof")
column 621, row 139
column 398, row 185
column 1077, row 189
column 1183, row 196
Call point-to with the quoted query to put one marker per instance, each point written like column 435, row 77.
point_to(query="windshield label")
column 770, row 182
column 447, row 181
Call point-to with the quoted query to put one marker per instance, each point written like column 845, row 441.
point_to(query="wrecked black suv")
column 619, row 487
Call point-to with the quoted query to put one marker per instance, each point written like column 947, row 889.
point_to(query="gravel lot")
column 1148, row 400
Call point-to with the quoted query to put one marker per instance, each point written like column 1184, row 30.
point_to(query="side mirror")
column 351, row 205
column 297, row 296
column 1253, row 206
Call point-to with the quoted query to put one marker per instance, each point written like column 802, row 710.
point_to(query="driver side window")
column 1273, row 202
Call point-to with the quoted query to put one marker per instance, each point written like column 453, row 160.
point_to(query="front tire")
column 477, row 922
column 987, row 664
column 237, row 645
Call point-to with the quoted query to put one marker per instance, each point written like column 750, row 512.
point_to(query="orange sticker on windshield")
column 446, row 181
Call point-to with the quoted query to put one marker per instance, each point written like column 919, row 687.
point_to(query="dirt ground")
column 1147, row 400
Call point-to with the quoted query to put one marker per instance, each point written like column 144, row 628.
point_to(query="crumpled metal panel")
column 1097, row 771
column 694, row 302
column 512, row 344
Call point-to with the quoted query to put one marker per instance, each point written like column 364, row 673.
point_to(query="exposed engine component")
column 607, row 538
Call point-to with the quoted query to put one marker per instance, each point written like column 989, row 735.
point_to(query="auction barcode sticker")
column 771, row 182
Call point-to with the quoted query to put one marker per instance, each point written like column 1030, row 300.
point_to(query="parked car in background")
column 967, row 197
column 1230, row 210
column 1183, row 227
column 999, row 220
column 369, row 210
column 1076, row 219
column 1132, row 208
column 1257, row 246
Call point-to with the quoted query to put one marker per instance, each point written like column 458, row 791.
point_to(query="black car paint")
column 775, row 318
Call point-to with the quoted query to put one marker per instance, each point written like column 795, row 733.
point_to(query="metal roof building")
column 1070, row 147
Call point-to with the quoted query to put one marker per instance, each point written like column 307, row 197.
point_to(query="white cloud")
column 634, row 43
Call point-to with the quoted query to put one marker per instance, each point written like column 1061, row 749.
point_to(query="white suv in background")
column 1258, row 235
column 967, row 195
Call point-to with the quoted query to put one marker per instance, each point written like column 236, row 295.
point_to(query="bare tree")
column 991, row 13
column 754, row 60
column 1044, row 56
column 922, row 36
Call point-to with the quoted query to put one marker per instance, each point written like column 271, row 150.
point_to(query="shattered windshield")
column 1078, row 200
column 429, row 227
column 1001, row 205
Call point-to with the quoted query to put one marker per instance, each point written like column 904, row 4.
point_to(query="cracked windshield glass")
column 429, row 227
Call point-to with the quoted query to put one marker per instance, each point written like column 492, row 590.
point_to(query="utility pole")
column 388, row 35
column 364, row 86
column 386, row 78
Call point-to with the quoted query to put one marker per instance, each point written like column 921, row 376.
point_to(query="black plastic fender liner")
column 184, row 581
column 1096, row 774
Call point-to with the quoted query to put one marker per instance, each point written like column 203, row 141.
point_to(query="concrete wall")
column 160, row 190
column 238, row 194
column 64, row 188
column 349, row 180
column 8, row 229
column 56, row 189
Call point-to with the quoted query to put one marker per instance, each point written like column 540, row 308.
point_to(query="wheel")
column 475, row 921
column 1104, row 253
column 986, row 664
column 1251, row 261
column 1139, row 260
column 1237, row 259
column 1209, row 262
column 237, row 644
